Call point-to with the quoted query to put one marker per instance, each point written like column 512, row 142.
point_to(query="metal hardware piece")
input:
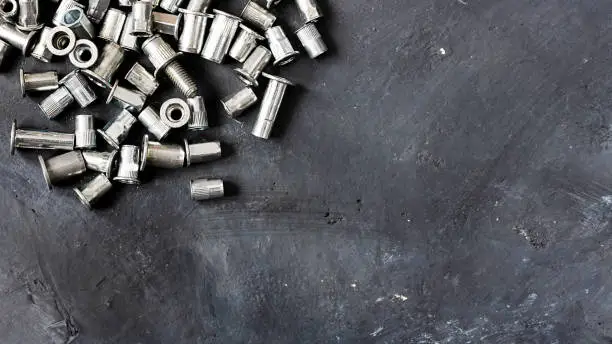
column 126, row 3
column 253, row 66
column 272, row 3
column 143, row 19
column 45, row 81
column 8, row 10
column 161, row 155
column 5, row 48
column 311, row 40
column 236, row 103
column 199, row 118
column 170, row 5
column 61, row 41
column 175, row 112
column 62, row 167
column 39, row 139
column 141, row 78
column 106, row 66
column 129, row 165
column 96, row 9
column 194, row 31
column 270, row 105
column 115, row 131
column 197, row 153
column 280, row 46
column 78, row 86
column 20, row 40
column 112, row 25
column 64, row 6
column 103, row 162
column 84, row 54
column 130, row 100
column 127, row 39
column 163, row 58
column 245, row 43
column 40, row 51
column 198, row 5
column 76, row 20
column 204, row 189
column 56, row 102
column 309, row 10
column 166, row 24
column 84, row 132
column 28, row 19
column 258, row 15
column 150, row 119
column 94, row 190
column 222, row 32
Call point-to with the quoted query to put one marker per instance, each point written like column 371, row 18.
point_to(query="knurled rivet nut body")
column 198, row 153
column 166, row 24
column 84, row 132
column 258, row 15
column 236, row 103
column 96, row 9
column 311, row 40
column 309, row 10
column 56, row 102
column 39, row 139
column 204, row 189
column 141, row 78
column 94, row 190
column 130, row 100
column 20, row 40
column 64, row 6
column 40, row 51
column 107, row 65
column 115, row 131
column 245, row 43
column 199, row 116
column 170, row 5
column 142, row 12
column 175, row 112
column 129, row 165
column 280, row 46
column 161, row 155
column 270, row 105
column 37, row 82
column 28, row 19
column 198, row 5
column 76, row 20
column 80, row 89
column 128, row 40
column 112, row 25
column 254, row 65
column 163, row 58
column 84, row 55
column 220, row 36
column 8, row 10
column 103, row 162
column 62, row 167
column 192, row 37
column 61, row 41
column 150, row 119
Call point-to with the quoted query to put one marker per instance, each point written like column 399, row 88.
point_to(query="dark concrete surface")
column 443, row 176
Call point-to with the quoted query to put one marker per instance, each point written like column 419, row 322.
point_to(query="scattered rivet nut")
column 270, row 105
column 45, row 81
column 150, row 119
column 20, row 40
column 28, row 19
column 61, row 41
column 199, row 117
column 258, row 15
column 141, row 78
column 191, row 39
column 106, row 66
column 280, row 46
column 197, row 153
column 245, row 43
column 130, row 100
column 175, row 112
column 129, row 165
column 204, row 189
column 222, row 32
column 62, row 167
column 112, row 25
column 84, row 55
column 128, row 40
column 39, row 139
column 103, row 162
column 115, row 131
column 236, row 103
column 78, row 86
column 94, row 190
column 311, row 40
column 40, row 51
column 84, row 132
column 161, row 155
column 254, row 65
column 56, row 102
column 309, row 9
column 166, row 24
column 142, row 19
column 64, row 6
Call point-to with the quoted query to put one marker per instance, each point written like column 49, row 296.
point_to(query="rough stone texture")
column 443, row 176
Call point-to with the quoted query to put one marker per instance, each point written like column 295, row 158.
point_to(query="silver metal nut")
column 175, row 113
column 40, row 51
column 20, row 40
column 45, row 81
column 254, row 65
column 56, row 102
column 270, row 105
column 76, row 20
column 280, row 46
column 236, row 103
column 204, row 189
column 105, row 68
column 170, row 5
column 64, row 6
column 39, row 139
column 78, row 86
column 129, row 165
column 258, row 15
column 142, row 79
column 28, row 19
column 96, row 9
column 311, row 40
column 245, row 43
column 115, row 131
column 166, row 24
column 194, row 31
column 199, row 117
column 130, row 100
column 94, row 190
column 309, row 10
column 161, row 155
column 150, row 120
column 127, row 39
column 103, row 162
column 62, row 167
column 112, row 25
column 198, row 153
column 222, row 32
column 61, row 41
column 143, row 19
column 84, row 132
column 84, row 55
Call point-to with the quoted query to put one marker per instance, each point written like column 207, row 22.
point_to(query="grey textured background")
column 408, row 196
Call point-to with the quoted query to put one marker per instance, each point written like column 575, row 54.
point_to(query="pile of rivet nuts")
column 97, row 39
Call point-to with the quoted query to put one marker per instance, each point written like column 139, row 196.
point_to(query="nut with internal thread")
column 76, row 20
column 236, row 103
column 280, row 46
column 103, row 162
column 129, row 165
column 62, row 167
column 8, row 10
column 28, row 19
column 105, row 68
column 199, row 117
column 253, row 66
column 197, row 153
column 194, row 31
column 84, row 55
column 142, row 19
column 161, row 155
column 222, row 32
column 258, row 15
column 96, row 9
column 270, row 105
column 61, row 41
column 115, row 131
column 166, row 24
column 130, row 100
column 163, row 58
column 56, row 102
column 20, row 40
column 45, row 81
column 150, row 119
column 245, row 43
column 64, row 6
column 84, row 132
column 311, row 40
column 128, row 40
column 78, row 86
column 204, row 189
column 39, row 139
column 175, row 112
column 94, row 190
column 141, row 78
column 309, row 10
column 40, row 51
column 112, row 25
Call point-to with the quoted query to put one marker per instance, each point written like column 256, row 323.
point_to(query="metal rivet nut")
column 45, row 81
column 39, row 139
column 62, row 167
column 94, row 190
column 175, row 112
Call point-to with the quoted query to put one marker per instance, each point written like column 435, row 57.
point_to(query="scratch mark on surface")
column 399, row 297
column 376, row 332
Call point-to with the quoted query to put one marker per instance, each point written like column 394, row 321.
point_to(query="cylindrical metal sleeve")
column 112, row 25
column 115, row 131
column 45, row 81
column 159, row 52
column 311, row 40
column 103, row 162
column 280, row 46
column 203, row 189
column 142, row 79
column 76, row 20
column 20, row 40
column 245, row 43
column 78, row 86
column 143, row 19
column 28, row 19
column 199, row 117
column 84, row 132
column 194, row 31
column 258, row 15
column 127, row 39
column 236, row 103
column 150, row 119
column 309, row 10
column 37, row 139
column 63, row 7
column 62, row 167
column 222, row 31
column 164, row 155
column 270, row 105
column 129, row 165
column 40, row 51
column 253, row 66
column 56, row 102
column 202, row 152
column 94, row 190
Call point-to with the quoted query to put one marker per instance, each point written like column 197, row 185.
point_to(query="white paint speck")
column 353, row 285
column 376, row 332
column 442, row 51
column 286, row 285
column 586, row 291
column 497, row 219
column 400, row 297
column 380, row 299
